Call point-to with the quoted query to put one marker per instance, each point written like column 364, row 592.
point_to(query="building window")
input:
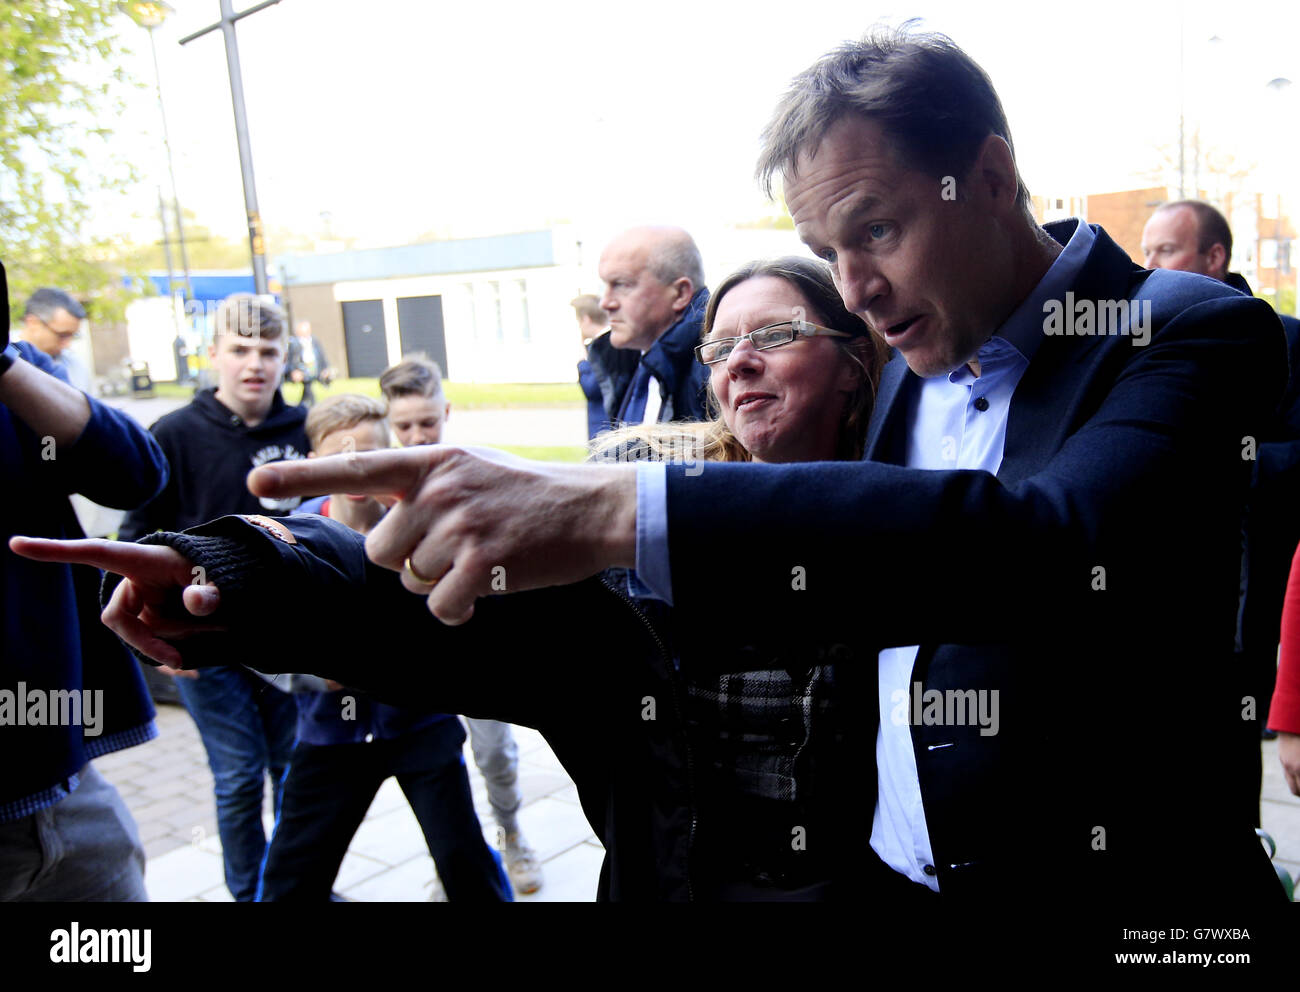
column 494, row 290
column 524, row 327
column 471, row 311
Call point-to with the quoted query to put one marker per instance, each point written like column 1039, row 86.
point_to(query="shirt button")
column 981, row 404
column 369, row 738
column 928, row 869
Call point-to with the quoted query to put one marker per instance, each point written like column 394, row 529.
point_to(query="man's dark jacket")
column 682, row 379
column 1272, row 527
column 1093, row 583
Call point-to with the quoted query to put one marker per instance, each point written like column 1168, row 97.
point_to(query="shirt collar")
column 1023, row 330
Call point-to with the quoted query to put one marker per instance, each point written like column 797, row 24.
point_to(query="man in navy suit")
column 1039, row 551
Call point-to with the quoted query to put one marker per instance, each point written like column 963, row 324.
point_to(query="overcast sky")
column 402, row 117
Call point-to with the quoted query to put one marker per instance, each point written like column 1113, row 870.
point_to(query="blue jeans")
column 247, row 728
column 329, row 789
column 84, row 848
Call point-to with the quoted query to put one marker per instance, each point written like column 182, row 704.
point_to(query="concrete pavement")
column 168, row 788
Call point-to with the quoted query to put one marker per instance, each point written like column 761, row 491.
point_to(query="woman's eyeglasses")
column 763, row 338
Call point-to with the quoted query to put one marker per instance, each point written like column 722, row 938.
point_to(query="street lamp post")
column 227, row 27
column 149, row 14
column 167, row 257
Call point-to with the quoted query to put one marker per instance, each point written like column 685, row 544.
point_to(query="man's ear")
column 446, row 412
column 212, row 350
column 995, row 170
column 1217, row 257
column 683, row 291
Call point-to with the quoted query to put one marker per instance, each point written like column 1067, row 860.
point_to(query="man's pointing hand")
column 472, row 522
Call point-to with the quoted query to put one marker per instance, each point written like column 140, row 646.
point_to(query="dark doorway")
column 363, row 330
column 419, row 322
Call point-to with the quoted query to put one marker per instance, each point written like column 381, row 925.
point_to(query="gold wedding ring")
column 417, row 576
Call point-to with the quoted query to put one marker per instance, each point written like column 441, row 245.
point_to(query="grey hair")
column 675, row 256
column 250, row 316
column 934, row 103
column 44, row 304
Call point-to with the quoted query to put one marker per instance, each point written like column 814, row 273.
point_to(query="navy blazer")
column 1092, row 583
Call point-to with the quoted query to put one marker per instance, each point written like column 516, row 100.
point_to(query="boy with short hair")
column 348, row 745
column 211, row 445
column 417, row 410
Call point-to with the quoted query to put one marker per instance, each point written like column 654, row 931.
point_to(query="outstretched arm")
column 158, row 602
column 536, row 659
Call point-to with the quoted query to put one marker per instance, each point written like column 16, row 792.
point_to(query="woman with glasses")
column 783, row 386
column 776, row 802
column 731, row 777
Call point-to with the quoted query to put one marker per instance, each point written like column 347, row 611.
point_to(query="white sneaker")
column 522, row 866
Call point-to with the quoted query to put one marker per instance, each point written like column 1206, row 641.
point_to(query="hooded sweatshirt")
column 211, row 451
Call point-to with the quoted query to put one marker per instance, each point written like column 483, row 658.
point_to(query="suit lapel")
column 1048, row 398
column 885, row 440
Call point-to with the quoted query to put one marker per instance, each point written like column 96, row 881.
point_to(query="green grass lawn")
column 553, row 453
column 463, row 395
column 469, row 395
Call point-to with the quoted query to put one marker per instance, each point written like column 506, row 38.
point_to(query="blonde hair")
column 342, row 413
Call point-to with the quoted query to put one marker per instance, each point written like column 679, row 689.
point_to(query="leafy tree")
column 205, row 249
column 58, row 88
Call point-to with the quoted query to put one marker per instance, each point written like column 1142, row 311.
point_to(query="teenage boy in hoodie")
column 348, row 745
column 247, row 726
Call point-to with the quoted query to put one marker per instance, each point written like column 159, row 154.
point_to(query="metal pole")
column 167, row 255
column 245, row 150
column 227, row 26
column 171, row 172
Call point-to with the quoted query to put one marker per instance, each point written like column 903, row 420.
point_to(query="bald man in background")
column 655, row 297
column 1192, row 236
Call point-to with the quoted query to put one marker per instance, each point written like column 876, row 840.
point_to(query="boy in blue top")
column 347, row 745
